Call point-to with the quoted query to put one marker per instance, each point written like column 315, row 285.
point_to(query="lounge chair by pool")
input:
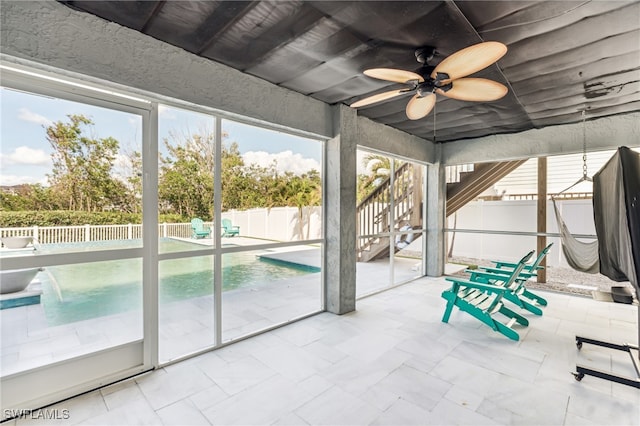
column 199, row 230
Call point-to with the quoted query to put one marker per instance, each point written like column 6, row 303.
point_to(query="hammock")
column 580, row 256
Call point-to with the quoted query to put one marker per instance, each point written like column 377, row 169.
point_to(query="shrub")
column 15, row 219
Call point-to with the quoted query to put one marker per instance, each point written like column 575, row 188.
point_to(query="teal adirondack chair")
column 515, row 284
column 198, row 229
column 493, row 276
column 484, row 302
column 528, row 271
column 229, row 230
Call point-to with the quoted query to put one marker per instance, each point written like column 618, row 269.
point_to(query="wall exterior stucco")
column 602, row 133
column 395, row 142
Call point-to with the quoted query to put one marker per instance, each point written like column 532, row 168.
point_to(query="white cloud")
column 286, row 161
column 166, row 113
column 12, row 180
column 32, row 117
column 23, row 155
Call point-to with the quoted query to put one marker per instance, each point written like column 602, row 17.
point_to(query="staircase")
column 373, row 213
column 471, row 184
column 465, row 183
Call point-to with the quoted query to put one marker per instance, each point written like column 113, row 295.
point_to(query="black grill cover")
column 616, row 210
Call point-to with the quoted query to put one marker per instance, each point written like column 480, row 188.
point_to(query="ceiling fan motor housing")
column 429, row 85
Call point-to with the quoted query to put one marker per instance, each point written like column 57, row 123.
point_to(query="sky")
column 25, row 153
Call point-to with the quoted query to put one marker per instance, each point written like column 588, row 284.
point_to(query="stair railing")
column 373, row 213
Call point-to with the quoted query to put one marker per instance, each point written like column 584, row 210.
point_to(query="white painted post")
column 129, row 231
column 34, row 233
column 164, row 229
column 87, row 232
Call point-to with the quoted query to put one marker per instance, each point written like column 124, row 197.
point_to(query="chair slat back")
column 541, row 256
column 197, row 224
column 518, row 268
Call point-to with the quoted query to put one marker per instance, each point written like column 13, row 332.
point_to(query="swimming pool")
column 83, row 291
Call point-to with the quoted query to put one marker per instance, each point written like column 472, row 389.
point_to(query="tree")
column 186, row 181
column 186, row 176
column 27, row 197
column 305, row 192
column 132, row 176
column 81, row 176
column 379, row 168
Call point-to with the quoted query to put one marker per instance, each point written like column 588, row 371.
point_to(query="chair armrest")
column 506, row 272
column 487, row 275
column 495, row 270
column 500, row 264
column 479, row 286
column 528, row 267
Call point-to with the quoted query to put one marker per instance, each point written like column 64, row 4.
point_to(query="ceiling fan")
column 447, row 79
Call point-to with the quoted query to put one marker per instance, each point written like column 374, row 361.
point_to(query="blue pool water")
column 83, row 291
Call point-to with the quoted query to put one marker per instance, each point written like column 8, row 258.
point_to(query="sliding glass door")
column 390, row 243
column 72, row 270
column 135, row 234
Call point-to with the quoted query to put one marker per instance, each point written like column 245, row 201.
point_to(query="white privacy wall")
column 278, row 223
column 515, row 216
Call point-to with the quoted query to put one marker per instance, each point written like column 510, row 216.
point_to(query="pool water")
column 83, row 291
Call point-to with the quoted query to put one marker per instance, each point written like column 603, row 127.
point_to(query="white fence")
column 75, row 234
column 286, row 224
column 277, row 224
column 516, row 216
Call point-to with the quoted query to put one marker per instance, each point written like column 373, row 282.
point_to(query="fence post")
column 129, row 231
column 34, row 233
column 164, row 229
column 87, row 232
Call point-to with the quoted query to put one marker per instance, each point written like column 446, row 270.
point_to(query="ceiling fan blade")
column 420, row 107
column 470, row 59
column 377, row 98
column 392, row 74
column 475, row 89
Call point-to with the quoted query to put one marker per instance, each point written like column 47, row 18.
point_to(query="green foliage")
column 186, row 181
column 172, row 218
column 185, row 184
column 379, row 168
column 22, row 219
column 65, row 218
column 27, row 197
column 83, row 180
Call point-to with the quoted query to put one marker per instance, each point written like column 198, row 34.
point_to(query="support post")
column 340, row 214
column 542, row 216
column 436, row 204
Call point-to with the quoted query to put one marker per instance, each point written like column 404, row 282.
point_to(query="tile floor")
column 390, row 362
